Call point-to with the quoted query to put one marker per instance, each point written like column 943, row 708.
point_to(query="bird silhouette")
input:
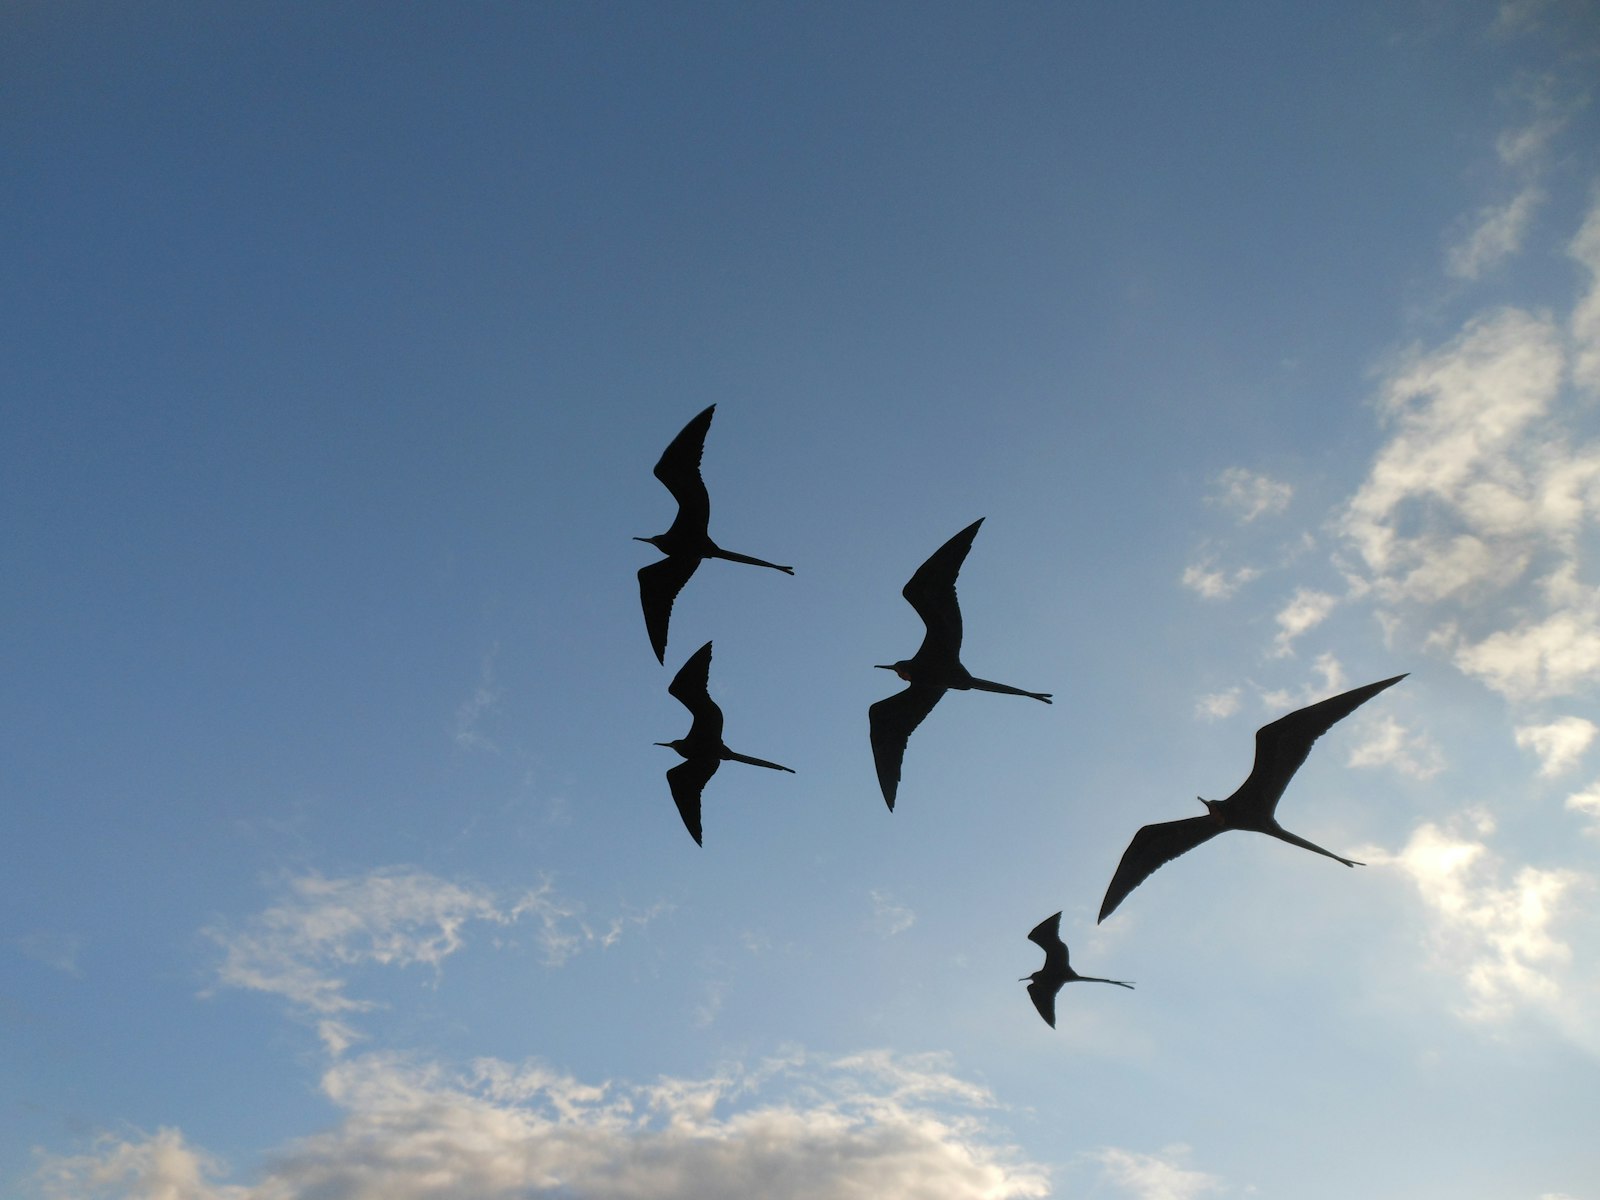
column 936, row 666
column 703, row 750
column 1281, row 747
column 687, row 543
column 1044, row 983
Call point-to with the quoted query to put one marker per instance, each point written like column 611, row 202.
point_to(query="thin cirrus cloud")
column 823, row 1129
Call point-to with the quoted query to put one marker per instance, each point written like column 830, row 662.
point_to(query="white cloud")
column 1213, row 584
column 1306, row 609
column 1560, row 744
column 161, row 1166
column 1496, row 927
column 1390, row 744
column 1588, row 803
column 302, row 947
column 1217, row 705
column 1477, row 514
column 872, row 1125
column 1251, row 494
column 1155, row 1176
column 1498, row 231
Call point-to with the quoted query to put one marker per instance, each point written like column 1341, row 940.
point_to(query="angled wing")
column 659, row 585
column 690, row 688
column 891, row 721
column 679, row 469
column 932, row 592
column 1153, row 847
column 1047, row 936
column 1283, row 745
column 1043, row 996
column 688, row 780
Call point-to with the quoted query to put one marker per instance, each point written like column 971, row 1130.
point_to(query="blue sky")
column 340, row 341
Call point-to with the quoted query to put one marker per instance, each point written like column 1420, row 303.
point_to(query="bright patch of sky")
column 339, row 863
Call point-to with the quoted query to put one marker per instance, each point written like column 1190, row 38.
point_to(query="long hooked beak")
column 883, row 666
column 640, row 539
column 668, row 745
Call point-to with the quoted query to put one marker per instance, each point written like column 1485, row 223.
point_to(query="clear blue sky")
column 339, row 341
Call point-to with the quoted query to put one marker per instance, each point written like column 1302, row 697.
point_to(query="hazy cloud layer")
column 841, row 1129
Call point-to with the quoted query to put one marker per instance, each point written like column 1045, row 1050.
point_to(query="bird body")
column 936, row 666
column 1281, row 747
column 687, row 543
column 1057, row 971
column 702, row 750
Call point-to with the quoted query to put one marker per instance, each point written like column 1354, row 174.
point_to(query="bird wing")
column 932, row 592
column 1283, row 745
column 679, row 469
column 1152, row 847
column 691, row 688
column 1043, row 996
column 891, row 721
column 688, row 780
column 659, row 585
column 1047, row 933
column 1047, row 936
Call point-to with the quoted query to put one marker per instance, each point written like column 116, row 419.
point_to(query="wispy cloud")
column 483, row 701
column 302, row 947
column 1497, row 233
column 1494, row 926
column 1160, row 1176
column 1212, row 584
column 1588, row 803
column 1559, row 744
column 889, row 916
column 1390, row 744
column 1250, row 494
column 1306, row 609
column 839, row 1129
column 1217, row 705
column 58, row 951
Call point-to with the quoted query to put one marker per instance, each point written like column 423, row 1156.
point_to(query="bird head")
column 677, row 745
column 654, row 541
column 1212, row 806
column 898, row 668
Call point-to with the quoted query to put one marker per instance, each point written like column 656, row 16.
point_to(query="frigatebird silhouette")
column 1281, row 747
column 687, row 543
column 1044, row 983
column 703, row 750
column 936, row 666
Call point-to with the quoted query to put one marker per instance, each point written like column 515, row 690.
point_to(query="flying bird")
column 936, row 666
column 703, row 750
column 1044, row 983
column 1281, row 747
column 687, row 543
